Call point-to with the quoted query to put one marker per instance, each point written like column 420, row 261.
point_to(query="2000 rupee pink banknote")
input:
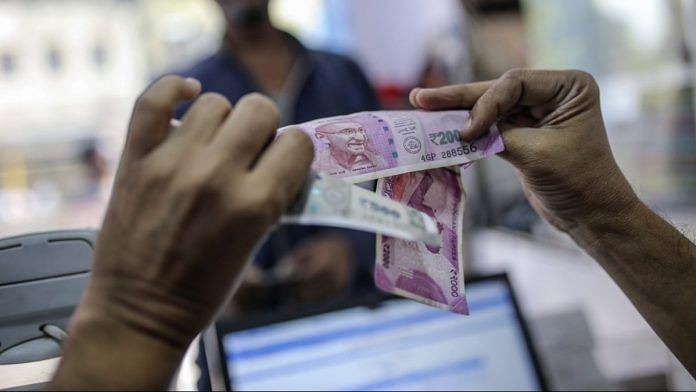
column 433, row 275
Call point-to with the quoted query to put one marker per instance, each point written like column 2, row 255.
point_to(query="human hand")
column 189, row 207
column 252, row 294
column 554, row 135
column 319, row 268
column 322, row 268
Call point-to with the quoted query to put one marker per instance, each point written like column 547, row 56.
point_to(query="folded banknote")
column 333, row 202
column 371, row 145
column 433, row 275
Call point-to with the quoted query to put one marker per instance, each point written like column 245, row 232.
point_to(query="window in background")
column 637, row 51
column 8, row 63
column 78, row 66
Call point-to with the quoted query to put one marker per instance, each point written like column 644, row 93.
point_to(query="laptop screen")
column 400, row 345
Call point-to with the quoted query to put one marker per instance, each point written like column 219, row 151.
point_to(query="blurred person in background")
column 497, row 42
column 96, row 168
column 296, row 263
column 305, row 84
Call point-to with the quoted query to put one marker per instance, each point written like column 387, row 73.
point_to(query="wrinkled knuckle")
column 511, row 81
column 514, row 75
column 585, row 82
column 585, row 78
column 581, row 75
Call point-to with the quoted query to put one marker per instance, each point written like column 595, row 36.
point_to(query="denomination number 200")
column 445, row 137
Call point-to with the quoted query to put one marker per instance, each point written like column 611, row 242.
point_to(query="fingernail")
column 468, row 123
column 194, row 85
column 464, row 132
column 412, row 96
column 426, row 90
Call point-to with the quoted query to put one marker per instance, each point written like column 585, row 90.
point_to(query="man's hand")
column 323, row 266
column 319, row 268
column 186, row 211
column 554, row 135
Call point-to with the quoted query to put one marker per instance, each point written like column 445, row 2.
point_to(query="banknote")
column 433, row 275
column 418, row 208
column 371, row 145
column 333, row 202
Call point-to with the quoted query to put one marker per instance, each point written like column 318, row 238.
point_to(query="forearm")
column 655, row 266
column 102, row 353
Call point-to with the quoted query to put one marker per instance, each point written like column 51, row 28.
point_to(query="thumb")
column 521, row 144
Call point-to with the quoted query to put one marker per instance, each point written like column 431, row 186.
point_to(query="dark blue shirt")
column 330, row 84
column 324, row 84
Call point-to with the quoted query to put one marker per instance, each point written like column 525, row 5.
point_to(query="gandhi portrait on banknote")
column 349, row 148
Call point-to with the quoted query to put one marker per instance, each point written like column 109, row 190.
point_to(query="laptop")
column 380, row 343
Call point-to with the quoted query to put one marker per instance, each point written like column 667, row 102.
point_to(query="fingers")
column 153, row 111
column 541, row 91
column 204, row 117
column 523, row 87
column 516, row 138
column 283, row 168
column 246, row 132
column 461, row 96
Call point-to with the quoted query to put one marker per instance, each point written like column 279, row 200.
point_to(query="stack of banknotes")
column 419, row 202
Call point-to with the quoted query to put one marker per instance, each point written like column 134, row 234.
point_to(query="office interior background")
column 70, row 71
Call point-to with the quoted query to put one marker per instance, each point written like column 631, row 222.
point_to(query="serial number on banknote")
column 464, row 149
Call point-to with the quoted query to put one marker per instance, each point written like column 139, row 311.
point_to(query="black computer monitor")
column 390, row 344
